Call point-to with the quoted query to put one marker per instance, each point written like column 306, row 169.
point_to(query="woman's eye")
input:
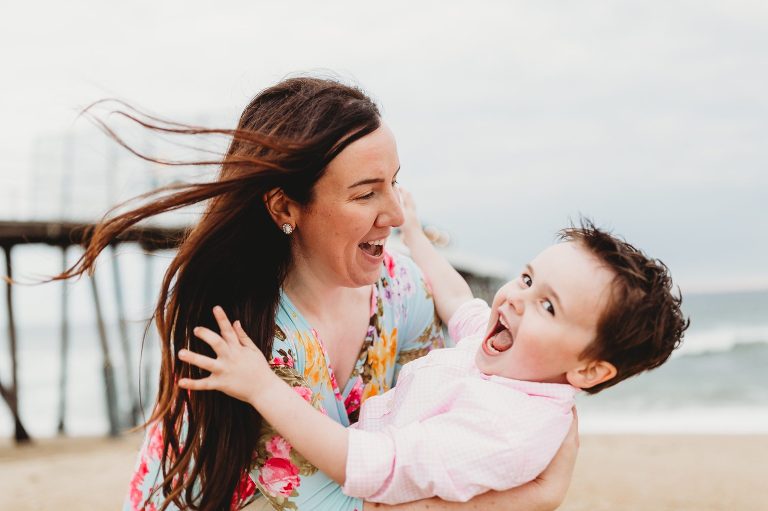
column 366, row 196
column 548, row 307
column 526, row 280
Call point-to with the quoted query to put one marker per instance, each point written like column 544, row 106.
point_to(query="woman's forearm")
column 528, row 497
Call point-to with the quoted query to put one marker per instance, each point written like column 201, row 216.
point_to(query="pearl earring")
column 287, row 228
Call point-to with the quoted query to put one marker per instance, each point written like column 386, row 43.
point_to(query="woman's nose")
column 391, row 214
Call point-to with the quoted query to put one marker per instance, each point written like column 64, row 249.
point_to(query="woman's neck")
column 314, row 296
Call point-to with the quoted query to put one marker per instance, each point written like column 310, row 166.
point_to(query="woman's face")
column 340, row 234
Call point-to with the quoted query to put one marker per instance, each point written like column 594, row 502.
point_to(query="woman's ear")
column 281, row 208
column 591, row 374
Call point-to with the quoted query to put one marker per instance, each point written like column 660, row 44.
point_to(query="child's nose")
column 515, row 301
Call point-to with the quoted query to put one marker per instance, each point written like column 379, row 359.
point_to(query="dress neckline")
column 354, row 376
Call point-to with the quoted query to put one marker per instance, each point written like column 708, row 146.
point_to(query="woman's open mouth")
column 499, row 340
column 373, row 248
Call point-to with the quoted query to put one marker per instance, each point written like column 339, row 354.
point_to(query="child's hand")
column 411, row 225
column 239, row 369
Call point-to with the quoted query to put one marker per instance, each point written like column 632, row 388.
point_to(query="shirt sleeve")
column 454, row 456
column 471, row 318
column 420, row 329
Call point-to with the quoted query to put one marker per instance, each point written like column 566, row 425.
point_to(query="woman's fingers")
column 196, row 359
column 573, row 433
column 227, row 332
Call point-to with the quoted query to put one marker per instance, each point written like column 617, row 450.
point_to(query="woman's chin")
column 363, row 275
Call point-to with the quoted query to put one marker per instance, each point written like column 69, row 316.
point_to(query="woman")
column 291, row 244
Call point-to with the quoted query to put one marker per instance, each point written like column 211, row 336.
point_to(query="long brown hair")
column 236, row 257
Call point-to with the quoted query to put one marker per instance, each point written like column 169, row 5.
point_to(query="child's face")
column 543, row 320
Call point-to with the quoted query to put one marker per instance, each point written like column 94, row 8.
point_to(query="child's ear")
column 591, row 374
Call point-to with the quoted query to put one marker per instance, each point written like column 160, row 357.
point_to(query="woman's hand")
column 554, row 481
column 239, row 370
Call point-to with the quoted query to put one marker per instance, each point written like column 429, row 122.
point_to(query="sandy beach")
column 614, row 472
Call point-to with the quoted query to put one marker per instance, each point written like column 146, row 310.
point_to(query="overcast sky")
column 511, row 117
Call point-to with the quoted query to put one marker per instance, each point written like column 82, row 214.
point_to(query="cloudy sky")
column 511, row 116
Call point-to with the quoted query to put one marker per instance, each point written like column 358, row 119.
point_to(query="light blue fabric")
column 403, row 326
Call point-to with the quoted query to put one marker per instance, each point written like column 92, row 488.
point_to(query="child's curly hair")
column 642, row 322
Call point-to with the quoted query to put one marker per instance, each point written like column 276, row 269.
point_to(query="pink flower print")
column 389, row 263
column 278, row 447
column 245, row 489
column 136, row 495
column 155, row 446
column 279, row 477
column 282, row 361
column 374, row 300
column 334, row 384
column 305, row 393
column 352, row 403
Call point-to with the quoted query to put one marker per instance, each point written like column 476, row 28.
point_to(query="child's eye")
column 526, row 280
column 548, row 307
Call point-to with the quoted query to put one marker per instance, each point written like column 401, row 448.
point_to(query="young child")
column 489, row 414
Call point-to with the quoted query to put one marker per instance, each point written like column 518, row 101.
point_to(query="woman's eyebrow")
column 372, row 180
column 367, row 182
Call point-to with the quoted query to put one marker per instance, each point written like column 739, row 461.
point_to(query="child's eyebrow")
column 547, row 288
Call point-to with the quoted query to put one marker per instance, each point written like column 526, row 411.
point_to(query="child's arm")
column 449, row 289
column 241, row 371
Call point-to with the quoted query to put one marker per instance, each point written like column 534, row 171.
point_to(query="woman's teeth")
column 374, row 247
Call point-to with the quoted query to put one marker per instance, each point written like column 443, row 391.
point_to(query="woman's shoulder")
column 400, row 271
column 290, row 330
column 404, row 297
column 401, row 284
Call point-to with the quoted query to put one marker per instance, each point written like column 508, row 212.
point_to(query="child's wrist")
column 413, row 235
column 263, row 388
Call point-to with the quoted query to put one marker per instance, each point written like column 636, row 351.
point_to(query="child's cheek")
column 532, row 349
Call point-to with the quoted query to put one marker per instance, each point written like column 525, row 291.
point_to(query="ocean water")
column 717, row 382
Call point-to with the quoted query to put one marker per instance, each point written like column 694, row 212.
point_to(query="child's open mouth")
column 373, row 247
column 500, row 338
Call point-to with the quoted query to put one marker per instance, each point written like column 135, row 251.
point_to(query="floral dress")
column 403, row 326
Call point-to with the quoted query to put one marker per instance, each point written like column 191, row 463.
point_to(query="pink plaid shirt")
column 447, row 430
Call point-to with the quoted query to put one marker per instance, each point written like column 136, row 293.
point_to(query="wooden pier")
column 482, row 277
column 65, row 235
